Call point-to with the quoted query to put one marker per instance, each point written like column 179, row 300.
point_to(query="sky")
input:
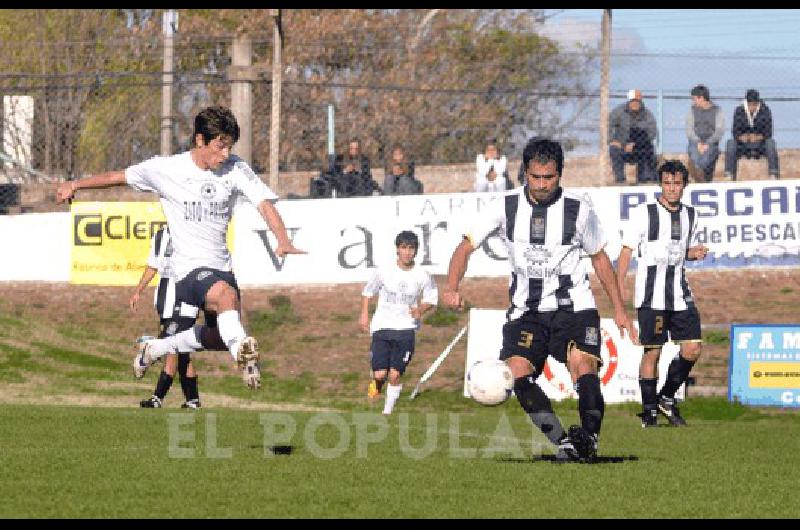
column 723, row 31
column 671, row 50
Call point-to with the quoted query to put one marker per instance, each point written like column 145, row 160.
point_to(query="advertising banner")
column 764, row 365
column 743, row 224
column 619, row 375
column 111, row 240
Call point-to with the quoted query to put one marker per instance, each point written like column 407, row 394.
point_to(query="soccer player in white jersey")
column 405, row 292
column 198, row 189
column 174, row 317
column 547, row 233
column 661, row 232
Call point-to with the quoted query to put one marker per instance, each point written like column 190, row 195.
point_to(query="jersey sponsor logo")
column 202, row 275
column 199, row 211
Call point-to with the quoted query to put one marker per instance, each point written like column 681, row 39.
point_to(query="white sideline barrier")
column 619, row 376
column 36, row 247
column 744, row 224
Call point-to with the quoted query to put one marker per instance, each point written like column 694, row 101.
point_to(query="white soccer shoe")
column 247, row 360
column 143, row 360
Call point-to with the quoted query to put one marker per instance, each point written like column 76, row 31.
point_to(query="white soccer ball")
column 490, row 382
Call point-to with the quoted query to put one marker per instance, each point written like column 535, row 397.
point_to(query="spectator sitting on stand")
column 352, row 175
column 751, row 136
column 492, row 170
column 399, row 178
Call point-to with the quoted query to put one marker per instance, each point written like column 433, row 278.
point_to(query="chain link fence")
column 439, row 84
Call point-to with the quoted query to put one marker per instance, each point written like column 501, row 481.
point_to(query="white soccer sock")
column 183, row 342
column 392, row 395
column 186, row 341
column 231, row 330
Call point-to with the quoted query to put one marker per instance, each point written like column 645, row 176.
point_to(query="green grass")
column 442, row 317
column 101, row 462
column 716, row 337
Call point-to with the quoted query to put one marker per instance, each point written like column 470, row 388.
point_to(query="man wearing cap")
column 751, row 136
column 632, row 129
column 705, row 126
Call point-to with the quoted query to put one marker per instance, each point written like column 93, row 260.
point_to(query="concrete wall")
column 451, row 178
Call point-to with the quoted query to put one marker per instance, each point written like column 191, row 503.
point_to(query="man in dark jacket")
column 632, row 129
column 751, row 136
column 352, row 174
column 399, row 179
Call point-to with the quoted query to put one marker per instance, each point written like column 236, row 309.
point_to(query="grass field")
column 463, row 461
column 73, row 442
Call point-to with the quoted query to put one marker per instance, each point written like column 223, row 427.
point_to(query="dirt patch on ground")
column 316, row 338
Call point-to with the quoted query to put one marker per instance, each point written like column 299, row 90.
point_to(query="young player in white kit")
column 399, row 287
column 198, row 189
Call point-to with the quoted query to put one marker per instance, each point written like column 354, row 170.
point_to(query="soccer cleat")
column 579, row 446
column 151, row 403
column 372, row 390
column 667, row 407
column 247, row 360
column 566, row 451
column 649, row 418
column 191, row 404
column 143, row 360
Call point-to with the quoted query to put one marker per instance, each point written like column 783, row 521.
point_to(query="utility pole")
column 605, row 46
column 275, row 123
column 242, row 95
column 169, row 25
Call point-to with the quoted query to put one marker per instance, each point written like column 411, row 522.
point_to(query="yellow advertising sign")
column 774, row 375
column 111, row 240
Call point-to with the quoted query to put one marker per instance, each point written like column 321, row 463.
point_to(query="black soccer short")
column 172, row 326
column 654, row 325
column 392, row 348
column 534, row 336
column 194, row 287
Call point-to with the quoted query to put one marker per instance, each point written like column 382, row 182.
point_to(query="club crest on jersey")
column 537, row 228
column 591, row 336
column 208, row 190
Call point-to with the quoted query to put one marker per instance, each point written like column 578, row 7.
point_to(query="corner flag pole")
column 427, row 375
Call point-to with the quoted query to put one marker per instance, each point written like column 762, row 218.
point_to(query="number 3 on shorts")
column 526, row 339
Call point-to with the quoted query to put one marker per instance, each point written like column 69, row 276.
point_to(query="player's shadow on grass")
column 552, row 459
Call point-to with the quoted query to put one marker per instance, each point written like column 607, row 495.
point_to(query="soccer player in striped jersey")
column 405, row 292
column 198, row 190
column 661, row 234
column 174, row 317
column 548, row 233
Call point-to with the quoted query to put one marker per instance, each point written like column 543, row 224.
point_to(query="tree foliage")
column 438, row 82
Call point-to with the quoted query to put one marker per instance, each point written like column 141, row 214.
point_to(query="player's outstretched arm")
column 608, row 279
column 363, row 319
column 455, row 273
column 623, row 262
column 66, row 190
column 147, row 276
column 275, row 222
